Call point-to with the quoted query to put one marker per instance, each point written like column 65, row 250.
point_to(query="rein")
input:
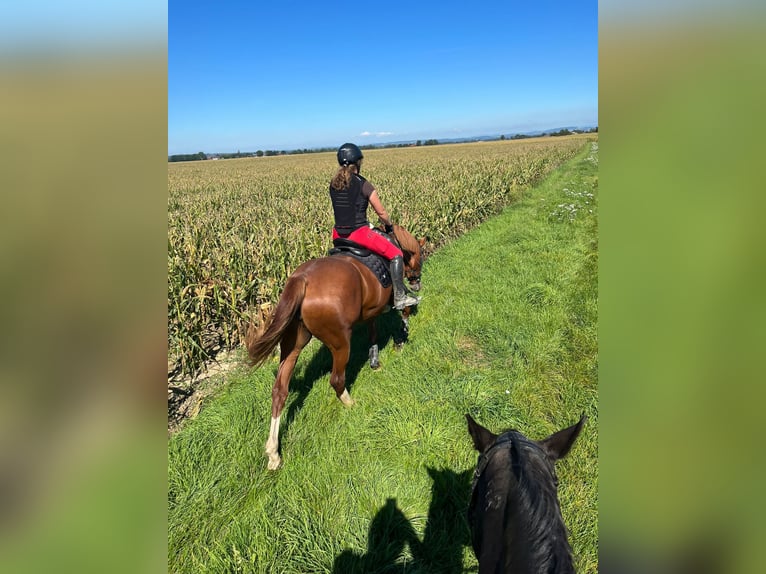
column 504, row 441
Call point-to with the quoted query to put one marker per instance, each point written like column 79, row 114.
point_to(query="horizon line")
column 403, row 141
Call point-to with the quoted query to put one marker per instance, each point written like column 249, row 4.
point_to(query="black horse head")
column 514, row 514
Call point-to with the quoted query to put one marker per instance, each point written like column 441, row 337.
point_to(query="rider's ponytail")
column 342, row 177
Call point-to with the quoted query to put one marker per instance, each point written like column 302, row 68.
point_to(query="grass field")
column 506, row 331
column 238, row 228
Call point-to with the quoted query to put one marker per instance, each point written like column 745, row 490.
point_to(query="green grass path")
column 507, row 331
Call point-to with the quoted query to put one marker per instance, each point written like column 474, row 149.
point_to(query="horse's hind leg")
column 374, row 354
column 295, row 338
column 341, row 350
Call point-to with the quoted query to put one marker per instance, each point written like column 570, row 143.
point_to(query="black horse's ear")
column 559, row 443
column 482, row 438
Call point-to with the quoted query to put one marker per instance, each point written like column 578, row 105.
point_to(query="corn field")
column 237, row 228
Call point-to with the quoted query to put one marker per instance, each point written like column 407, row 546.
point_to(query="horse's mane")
column 548, row 547
column 406, row 240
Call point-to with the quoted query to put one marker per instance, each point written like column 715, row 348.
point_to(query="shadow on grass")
column 446, row 532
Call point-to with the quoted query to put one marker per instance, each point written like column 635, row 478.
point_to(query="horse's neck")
column 522, row 527
column 404, row 238
column 536, row 537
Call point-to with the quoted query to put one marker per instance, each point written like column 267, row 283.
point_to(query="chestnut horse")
column 325, row 298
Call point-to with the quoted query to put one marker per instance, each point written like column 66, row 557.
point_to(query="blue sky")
column 295, row 74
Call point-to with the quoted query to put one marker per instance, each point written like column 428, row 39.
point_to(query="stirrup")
column 406, row 301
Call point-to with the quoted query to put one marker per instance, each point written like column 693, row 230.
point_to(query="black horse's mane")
column 546, row 547
column 538, row 501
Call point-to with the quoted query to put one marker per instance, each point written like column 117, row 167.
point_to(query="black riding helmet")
column 349, row 153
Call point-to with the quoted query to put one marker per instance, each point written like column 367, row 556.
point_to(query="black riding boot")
column 402, row 298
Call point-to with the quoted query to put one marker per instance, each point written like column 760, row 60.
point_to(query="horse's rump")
column 341, row 287
column 327, row 292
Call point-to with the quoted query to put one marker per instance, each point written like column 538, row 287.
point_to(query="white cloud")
column 366, row 134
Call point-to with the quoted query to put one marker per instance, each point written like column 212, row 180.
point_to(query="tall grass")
column 506, row 331
column 238, row 228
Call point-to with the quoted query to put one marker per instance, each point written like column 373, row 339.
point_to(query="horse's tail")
column 260, row 345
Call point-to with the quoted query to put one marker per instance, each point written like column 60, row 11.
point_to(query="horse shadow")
column 440, row 551
column 447, row 529
column 389, row 328
column 389, row 533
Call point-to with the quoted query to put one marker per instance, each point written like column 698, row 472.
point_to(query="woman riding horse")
column 350, row 194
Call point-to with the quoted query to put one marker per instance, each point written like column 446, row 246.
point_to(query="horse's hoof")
column 274, row 463
column 374, row 357
column 398, row 346
column 346, row 399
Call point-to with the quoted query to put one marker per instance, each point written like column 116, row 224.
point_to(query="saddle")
column 374, row 262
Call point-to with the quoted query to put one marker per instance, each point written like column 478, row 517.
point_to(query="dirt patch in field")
column 187, row 396
column 471, row 351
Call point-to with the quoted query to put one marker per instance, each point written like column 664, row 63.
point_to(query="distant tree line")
column 187, row 157
column 566, row 132
column 271, row 152
column 561, row 132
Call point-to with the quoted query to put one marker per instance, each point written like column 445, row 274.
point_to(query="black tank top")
column 350, row 206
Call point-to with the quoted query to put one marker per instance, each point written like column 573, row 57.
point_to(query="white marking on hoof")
column 274, row 462
column 346, row 399
column 272, row 444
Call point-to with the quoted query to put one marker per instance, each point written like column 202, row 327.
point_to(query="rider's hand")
column 389, row 228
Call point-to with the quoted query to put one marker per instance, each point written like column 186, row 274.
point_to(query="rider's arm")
column 379, row 209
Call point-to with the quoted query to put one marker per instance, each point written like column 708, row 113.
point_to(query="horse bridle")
column 503, row 441
column 413, row 277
